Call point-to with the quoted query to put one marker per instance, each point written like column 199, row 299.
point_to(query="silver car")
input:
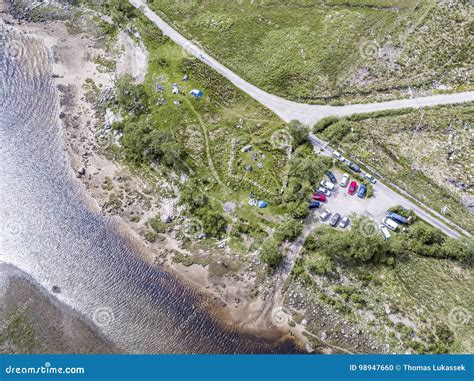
column 344, row 222
column 325, row 215
column 335, row 219
column 324, row 191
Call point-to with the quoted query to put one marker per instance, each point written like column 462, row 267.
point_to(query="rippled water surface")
column 47, row 231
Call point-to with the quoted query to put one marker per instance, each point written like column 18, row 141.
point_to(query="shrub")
column 325, row 123
column 270, row 254
column 289, row 230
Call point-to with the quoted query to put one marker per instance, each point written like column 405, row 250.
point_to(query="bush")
column 337, row 131
column 213, row 223
column 325, row 123
column 289, row 230
column 298, row 132
column 157, row 225
column 270, row 254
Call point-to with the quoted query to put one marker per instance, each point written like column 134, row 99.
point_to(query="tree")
column 131, row 97
column 270, row 254
column 289, row 230
column 298, row 132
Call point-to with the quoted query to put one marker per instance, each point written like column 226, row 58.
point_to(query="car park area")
column 346, row 202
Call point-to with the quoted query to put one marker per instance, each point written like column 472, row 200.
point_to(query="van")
column 385, row 232
column 389, row 223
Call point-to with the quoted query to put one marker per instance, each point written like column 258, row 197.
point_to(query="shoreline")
column 79, row 127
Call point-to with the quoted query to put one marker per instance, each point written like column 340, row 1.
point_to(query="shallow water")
column 47, row 231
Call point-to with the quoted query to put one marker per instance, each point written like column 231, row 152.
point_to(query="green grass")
column 422, row 294
column 322, row 51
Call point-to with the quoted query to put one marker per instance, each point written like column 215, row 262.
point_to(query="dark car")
column 313, row 205
column 319, row 197
column 362, row 191
column 354, row 167
column 335, row 219
column 331, row 177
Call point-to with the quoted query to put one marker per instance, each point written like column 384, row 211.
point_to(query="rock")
column 304, row 322
column 81, row 172
column 56, row 289
column 167, row 219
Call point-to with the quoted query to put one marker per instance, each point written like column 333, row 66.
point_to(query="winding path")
column 289, row 110
column 310, row 114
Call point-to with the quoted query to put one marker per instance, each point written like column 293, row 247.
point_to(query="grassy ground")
column 212, row 131
column 332, row 51
column 428, row 154
column 416, row 303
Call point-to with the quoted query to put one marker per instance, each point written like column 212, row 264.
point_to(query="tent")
column 196, row 93
column 262, row 204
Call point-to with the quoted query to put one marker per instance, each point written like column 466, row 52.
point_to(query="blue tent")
column 262, row 204
column 196, row 93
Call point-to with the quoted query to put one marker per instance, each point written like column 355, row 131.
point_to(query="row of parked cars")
column 353, row 166
column 335, row 219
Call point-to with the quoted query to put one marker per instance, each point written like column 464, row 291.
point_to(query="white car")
column 389, row 223
column 345, row 180
column 325, row 215
column 327, row 184
column 370, row 178
column 386, row 234
column 324, row 191
column 344, row 222
column 338, row 156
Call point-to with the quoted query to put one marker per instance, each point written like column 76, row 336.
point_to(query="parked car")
column 325, row 215
column 389, row 223
column 385, row 232
column 313, row 205
column 327, row 184
column 352, row 187
column 335, row 219
column 354, row 167
column 337, row 155
column 344, row 222
column 319, row 197
column 345, row 180
column 324, row 191
column 370, row 178
column 331, row 177
column 362, row 191
column 398, row 218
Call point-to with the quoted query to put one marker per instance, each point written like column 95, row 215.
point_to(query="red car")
column 352, row 187
column 319, row 197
